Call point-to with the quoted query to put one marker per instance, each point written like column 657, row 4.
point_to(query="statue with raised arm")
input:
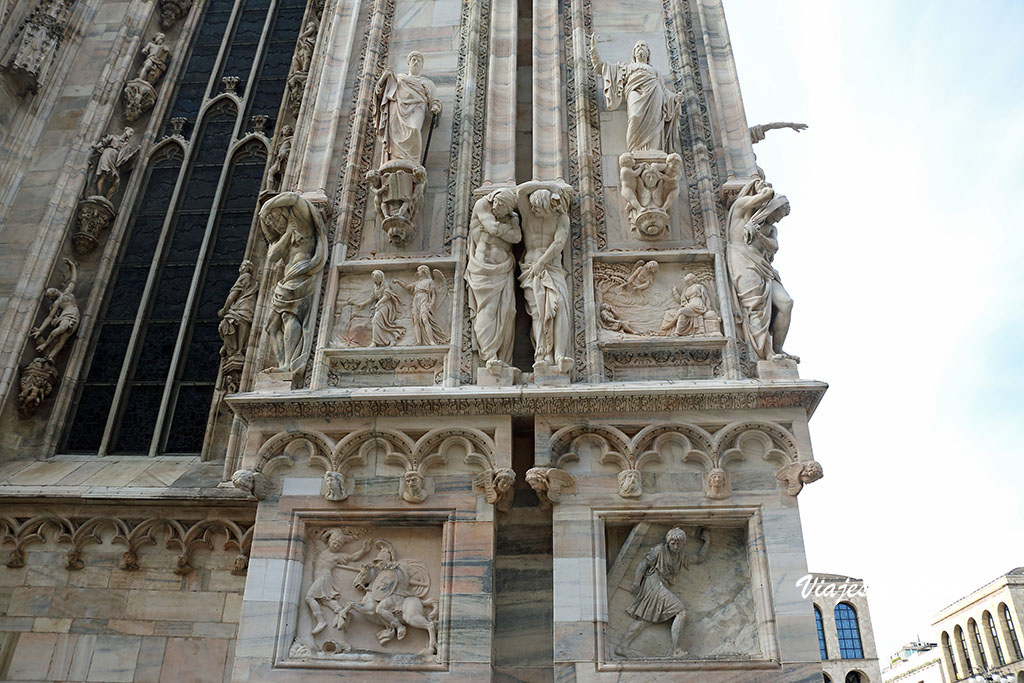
column 62, row 319
column 758, row 132
column 544, row 206
column 385, row 330
column 654, row 602
column 765, row 304
column 403, row 101
column 693, row 313
column 493, row 229
column 295, row 231
column 284, row 149
column 156, row 56
column 304, row 48
column 237, row 312
column 426, row 292
column 652, row 109
column 114, row 151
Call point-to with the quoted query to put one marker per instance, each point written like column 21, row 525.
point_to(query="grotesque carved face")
column 629, row 484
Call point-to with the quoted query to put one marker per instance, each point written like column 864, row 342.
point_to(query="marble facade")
column 376, row 495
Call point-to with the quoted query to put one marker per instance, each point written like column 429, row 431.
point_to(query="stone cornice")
column 615, row 398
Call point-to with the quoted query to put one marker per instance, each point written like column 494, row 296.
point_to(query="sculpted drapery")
column 403, row 101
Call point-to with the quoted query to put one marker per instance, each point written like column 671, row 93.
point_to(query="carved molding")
column 185, row 536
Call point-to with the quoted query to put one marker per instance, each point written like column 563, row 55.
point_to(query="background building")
column 434, row 340
column 846, row 641
column 915, row 662
column 980, row 632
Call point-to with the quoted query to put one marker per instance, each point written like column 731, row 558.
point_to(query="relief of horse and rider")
column 394, row 593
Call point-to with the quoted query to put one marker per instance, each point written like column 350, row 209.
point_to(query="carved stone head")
column 335, row 539
column 502, row 201
column 629, row 484
column 627, row 160
column 378, row 277
column 415, row 61
column 718, row 481
column 412, row 487
column 675, row 539
column 811, row 471
column 159, row 38
column 642, row 52
column 504, row 479
column 423, row 271
column 286, row 131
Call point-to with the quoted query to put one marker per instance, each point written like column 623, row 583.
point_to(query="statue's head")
column 652, row 267
column 642, row 52
column 129, row 131
column 413, row 492
column 52, row 293
column 627, row 160
column 718, row 482
column 504, row 479
column 502, row 202
column 689, row 279
column 673, row 163
column 159, row 38
column 378, row 277
column 811, row 471
column 423, row 271
column 629, row 484
column 415, row 61
column 245, row 266
column 675, row 539
column 335, row 539
column 286, row 130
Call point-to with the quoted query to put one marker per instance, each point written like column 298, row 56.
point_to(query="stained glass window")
column 848, row 631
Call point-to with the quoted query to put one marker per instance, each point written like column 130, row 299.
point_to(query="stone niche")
column 358, row 574
column 728, row 604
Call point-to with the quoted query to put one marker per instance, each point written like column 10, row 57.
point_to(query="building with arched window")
column 915, row 662
column 845, row 636
column 980, row 632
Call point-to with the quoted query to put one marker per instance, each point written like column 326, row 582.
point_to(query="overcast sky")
column 904, row 254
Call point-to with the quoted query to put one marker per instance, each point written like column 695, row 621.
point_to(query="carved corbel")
column 794, row 475
column 252, row 482
column 550, row 483
column 497, row 485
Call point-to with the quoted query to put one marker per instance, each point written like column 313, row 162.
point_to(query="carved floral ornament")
column 185, row 536
column 714, row 453
column 415, row 456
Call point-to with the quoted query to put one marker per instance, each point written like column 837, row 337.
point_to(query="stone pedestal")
column 139, row 97
column 273, row 380
column 95, row 214
column 506, row 377
column 549, row 375
column 777, row 369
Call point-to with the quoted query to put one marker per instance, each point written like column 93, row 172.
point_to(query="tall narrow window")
column 949, row 653
column 982, row 659
column 1014, row 643
column 822, row 648
column 964, row 652
column 848, row 631
column 995, row 638
column 155, row 352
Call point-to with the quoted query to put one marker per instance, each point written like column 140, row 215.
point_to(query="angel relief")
column 383, row 316
column 385, row 591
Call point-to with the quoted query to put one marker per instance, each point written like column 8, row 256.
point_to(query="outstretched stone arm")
column 595, row 57
column 757, row 132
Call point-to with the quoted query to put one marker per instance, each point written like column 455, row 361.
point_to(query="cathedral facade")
column 428, row 339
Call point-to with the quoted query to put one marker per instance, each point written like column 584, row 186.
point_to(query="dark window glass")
column 190, row 414
column 1008, row 618
column 277, row 59
column 109, row 354
column 202, row 59
column 141, row 405
column 90, row 417
column 949, row 653
column 995, row 638
column 964, row 651
column 849, row 632
column 245, row 42
column 981, row 648
column 853, row 677
column 822, row 648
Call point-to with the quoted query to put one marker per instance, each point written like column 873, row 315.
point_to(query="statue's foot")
column 541, row 365
column 494, row 366
column 621, row 651
column 427, row 652
column 401, row 631
column 320, row 626
column 785, row 356
column 680, row 653
column 565, row 364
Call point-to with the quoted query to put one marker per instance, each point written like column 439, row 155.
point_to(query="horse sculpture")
column 394, row 597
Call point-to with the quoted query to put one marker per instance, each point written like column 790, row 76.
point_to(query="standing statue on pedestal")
column 752, row 243
column 114, row 151
column 139, row 93
column 295, row 231
column 402, row 102
column 654, row 602
column 284, row 149
column 235, row 323
column 493, row 229
column 62, row 319
column 156, row 57
column 544, row 207
column 652, row 109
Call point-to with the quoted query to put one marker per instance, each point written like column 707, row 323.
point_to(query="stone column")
column 500, row 137
column 547, row 92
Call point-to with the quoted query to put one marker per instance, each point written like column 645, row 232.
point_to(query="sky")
column 902, row 253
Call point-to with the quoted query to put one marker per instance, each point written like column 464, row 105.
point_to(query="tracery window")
column 849, row 632
column 822, row 647
column 155, row 349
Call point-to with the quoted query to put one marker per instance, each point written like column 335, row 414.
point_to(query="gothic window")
column 995, row 638
column 982, row 660
column 848, row 631
column 962, row 642
column 1008, row 618
column 949, row 653
column 853, row 677
column 155, row 350
column 822, row 648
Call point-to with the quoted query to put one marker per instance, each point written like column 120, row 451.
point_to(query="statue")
column 752, row 242
column 630, row 484
column 544, row 207
column 654, row 602
column 609, row 320
column 652, row 109
column 413, row 487
column 549, row 483
column 397, row 192
column 322, row 592
column 237, row 312
column 395, row 597
column 649, row 186
column 333, row 486
column 402, row 102
column 384, row 322
column 38, row 379
column 295, row 231
column 63, row 318
column 253, row 482
column 493, row 229
column 426, row 291
column 757, row 132
column 304, row 48
column 284, row 150
column 156, row 57
column 718, row 485
column 114, row 152
column 695, row 314
column 794, row 475
column 497, row 487
column 32, row 49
